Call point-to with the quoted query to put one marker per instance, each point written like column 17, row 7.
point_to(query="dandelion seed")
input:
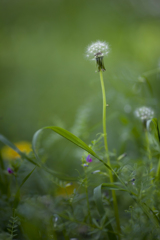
column 144, row 113
column 96, row 51
column 89, row 159
column 10, row 171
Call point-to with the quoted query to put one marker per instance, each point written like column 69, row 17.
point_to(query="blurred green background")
column 46, row 80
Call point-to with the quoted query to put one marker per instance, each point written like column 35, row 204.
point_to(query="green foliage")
column 69, row 217
column 12, row 226
column 53, row 192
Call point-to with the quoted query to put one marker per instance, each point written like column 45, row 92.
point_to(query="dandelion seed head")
column 97, row 49
column 144, row 113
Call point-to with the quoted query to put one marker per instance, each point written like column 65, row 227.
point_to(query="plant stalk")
column 106, row 148
column 158, row 170
column 149, row 153
column 87, row 197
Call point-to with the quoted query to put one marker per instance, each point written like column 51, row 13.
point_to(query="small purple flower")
column 89, row 159
column 10, row 171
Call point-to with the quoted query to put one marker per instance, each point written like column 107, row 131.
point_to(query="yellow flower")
column 9, row 154
column 68, row 190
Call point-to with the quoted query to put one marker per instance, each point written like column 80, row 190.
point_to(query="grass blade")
column 17, row 196
column 72, row 138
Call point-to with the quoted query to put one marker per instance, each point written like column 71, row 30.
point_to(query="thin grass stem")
column 106, row 148
column 149, row 152
column 86, row 188
column 158, row 170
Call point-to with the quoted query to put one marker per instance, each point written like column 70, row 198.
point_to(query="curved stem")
column 106, row 148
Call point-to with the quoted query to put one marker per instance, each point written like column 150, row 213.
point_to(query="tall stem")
column 106, row 148
column 149, row 153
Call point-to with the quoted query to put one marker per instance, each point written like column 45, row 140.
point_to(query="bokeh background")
column 46, row 79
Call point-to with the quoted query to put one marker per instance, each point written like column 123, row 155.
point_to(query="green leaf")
column 95, row 222
column 14, row 235
column 64, row 133
column 152, row 125
column 17, row 196
column 98, row 199
column 11, row 145
column 52, row 172
column 25, row 179
column 98, row 194
column 111, row 186
column 72, row 138
column 38, row 163
column 150, row 214
column 34, row 143
column 69, row 136
column 9, row 225
column 148, row 84
column 102, row 211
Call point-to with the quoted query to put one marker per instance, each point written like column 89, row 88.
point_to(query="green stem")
column 106, row 148
column 86, row 187
column 93, row 226
column 65, row 234
column 149, row 152
column 151, row 72
column 158, row 170
column 54, row 235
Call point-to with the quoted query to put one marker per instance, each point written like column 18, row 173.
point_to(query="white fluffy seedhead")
column 144, row 113
column 97, row 49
